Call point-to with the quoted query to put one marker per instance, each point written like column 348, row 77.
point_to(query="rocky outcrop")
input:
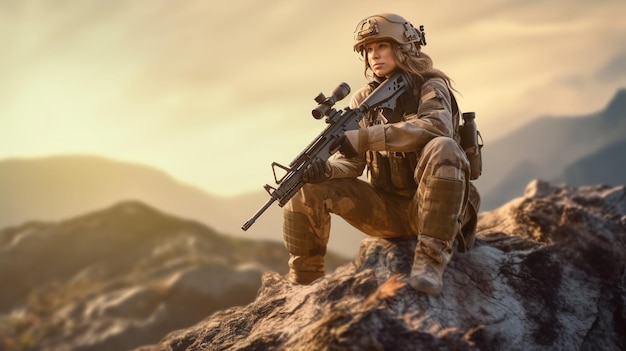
column 547, row 273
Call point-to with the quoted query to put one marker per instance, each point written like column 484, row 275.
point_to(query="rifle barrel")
column 253, row 219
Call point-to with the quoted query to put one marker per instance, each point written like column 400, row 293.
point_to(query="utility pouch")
column 401, row 169
column 470, row 220
column 378, row 166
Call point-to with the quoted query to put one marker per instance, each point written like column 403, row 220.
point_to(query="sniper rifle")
column 385, row 95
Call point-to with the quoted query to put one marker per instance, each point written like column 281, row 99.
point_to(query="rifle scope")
column 326, row 103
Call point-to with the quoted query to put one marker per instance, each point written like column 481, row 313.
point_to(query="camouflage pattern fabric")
column 435, row 208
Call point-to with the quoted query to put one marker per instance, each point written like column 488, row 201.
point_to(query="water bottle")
column 470, row 144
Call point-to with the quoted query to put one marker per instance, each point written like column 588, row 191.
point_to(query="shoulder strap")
column 456, row 112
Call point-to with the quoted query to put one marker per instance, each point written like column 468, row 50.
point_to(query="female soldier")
column 418, row 174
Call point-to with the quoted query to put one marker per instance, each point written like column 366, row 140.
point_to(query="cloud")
column 171, row 83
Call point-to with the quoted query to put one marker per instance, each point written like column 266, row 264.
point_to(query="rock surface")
column 547, row 273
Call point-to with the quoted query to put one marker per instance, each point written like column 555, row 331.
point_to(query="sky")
column 213, row 92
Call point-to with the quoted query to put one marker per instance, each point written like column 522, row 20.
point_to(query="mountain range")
column 59, row 187
column 576, row 150
column 579, row 150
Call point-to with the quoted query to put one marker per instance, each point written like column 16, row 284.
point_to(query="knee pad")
column 440, row 207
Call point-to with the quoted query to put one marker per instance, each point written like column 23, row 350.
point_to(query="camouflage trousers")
column 435, row 209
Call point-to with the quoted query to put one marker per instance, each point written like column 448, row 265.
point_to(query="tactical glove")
column 317, row 171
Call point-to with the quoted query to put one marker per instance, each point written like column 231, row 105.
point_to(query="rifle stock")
column 385, row 95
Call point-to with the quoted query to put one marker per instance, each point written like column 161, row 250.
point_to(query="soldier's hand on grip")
column 344, row 145
column 317, row 171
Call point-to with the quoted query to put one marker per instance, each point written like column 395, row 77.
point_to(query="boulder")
column 547, row 273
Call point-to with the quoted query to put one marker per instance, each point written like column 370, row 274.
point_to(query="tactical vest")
column 394, row 171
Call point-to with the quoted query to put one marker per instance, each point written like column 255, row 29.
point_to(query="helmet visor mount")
column 368, row 29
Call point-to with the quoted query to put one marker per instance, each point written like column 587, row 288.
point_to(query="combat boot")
column 304, row 270
column 431, row 258
column 303, row 278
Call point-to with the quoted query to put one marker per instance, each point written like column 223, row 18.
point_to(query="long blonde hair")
column 411, row 59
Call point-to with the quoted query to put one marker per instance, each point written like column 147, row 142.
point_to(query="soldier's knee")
column 443, row 146
column 445, row 152
column 440, row 142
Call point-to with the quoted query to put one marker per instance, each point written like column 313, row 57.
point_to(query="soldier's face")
column 380, row 58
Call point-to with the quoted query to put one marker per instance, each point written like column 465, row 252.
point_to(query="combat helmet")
column 387, row 26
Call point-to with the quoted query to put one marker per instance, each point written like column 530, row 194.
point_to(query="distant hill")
column 546, row 147
column 606, row 166
column 120, row 277
column 53, row 188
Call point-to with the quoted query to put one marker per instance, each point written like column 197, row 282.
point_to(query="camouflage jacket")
column 434, row 117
